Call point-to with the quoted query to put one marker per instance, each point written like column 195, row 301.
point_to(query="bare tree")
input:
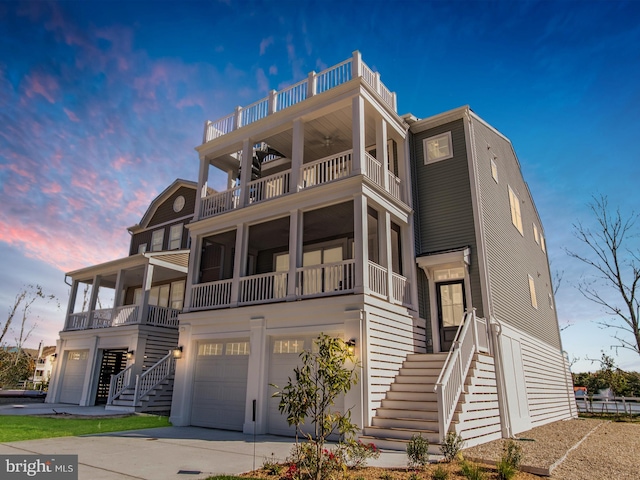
column 617, row 268
column 21, row 309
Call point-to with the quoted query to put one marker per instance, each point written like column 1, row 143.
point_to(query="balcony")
column 125, row 315
column 319, row 172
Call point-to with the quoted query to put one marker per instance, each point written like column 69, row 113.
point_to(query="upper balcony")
column 335, row 124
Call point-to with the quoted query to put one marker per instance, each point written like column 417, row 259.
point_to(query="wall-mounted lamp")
column 177, row 352
column 130, row 354
column 351, row 346
column 55, row 357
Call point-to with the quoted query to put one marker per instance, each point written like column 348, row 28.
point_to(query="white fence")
column 607, row 404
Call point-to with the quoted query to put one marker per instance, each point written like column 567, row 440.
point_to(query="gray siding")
column 510, row 256
column 444, row 209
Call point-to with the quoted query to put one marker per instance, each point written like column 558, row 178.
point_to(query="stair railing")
column 155, row 375
column 450, row 383
column 119, row 383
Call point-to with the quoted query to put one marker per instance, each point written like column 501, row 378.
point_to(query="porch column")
column 381, row 150
column 297, row 154
column 247, row 158
column 239, row 262
column 183, row 383
column 408, row 260
column 72, row 302
column 361, row 243
column 203, row 178
column 119, row 289
column 357, row 106
column 147, row 281
column 93, row 299
column 403, row 171
column 193, row 274
column 256, row 378
column 54, row 383
column 385, row 240
column 295, row 251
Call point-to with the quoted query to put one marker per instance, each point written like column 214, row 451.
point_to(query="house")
column 122, row 317
column 416, row 239
column 45, row 358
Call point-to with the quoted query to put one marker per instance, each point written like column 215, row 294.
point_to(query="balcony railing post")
column 273, row 97
column 206, row 131
column 311, row 84
column 377, row 82
column 237, row 117
column 356, row 65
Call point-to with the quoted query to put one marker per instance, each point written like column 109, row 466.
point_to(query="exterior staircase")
column 157, row 400
column 411, row 406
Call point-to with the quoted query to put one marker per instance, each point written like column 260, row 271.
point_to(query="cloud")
column 273, row 70
column 41, row 84
column 264, row 44
column 72, row 116
column 262, row 80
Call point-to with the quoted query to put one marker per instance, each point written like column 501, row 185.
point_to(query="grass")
column 31, row 427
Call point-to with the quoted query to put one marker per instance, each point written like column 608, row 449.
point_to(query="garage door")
column 220, row 387
column 73, row 376
column 284, row 357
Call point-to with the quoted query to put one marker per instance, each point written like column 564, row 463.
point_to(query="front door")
column 451, row 307
column 113, row 362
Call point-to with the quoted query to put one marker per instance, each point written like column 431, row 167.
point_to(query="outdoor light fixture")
column 351, row 346
column 55, row 357
column 130, row 354
column 177, row 352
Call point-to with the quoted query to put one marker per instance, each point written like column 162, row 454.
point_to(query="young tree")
column 323, row 375
column 617, row 269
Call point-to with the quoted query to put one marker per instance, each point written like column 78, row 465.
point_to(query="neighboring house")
column 342, row 217
column 45, row 359
column 122, row 317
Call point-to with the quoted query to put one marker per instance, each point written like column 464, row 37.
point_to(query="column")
column 357, row 121
column 356, row 397
column 381, row 150
column 203, row 178
column 256, row 378
column 119, row 289
column 295, row 251
column 239, row 262
column 194, row 270
column 361, row 243
column 147, row 281
column 247, row 158
column 183, row 383
column 297, row 148
column 72, row 302
column 385, row 240
column 93, row 299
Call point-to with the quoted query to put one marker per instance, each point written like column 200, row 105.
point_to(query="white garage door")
column 73, row 376
column 220, row 386
column 284, row 357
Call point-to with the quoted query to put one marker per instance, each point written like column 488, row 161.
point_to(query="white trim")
column 532, row 292
column 425, row 143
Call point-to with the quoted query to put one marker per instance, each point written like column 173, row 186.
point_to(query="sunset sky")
column 102, row 104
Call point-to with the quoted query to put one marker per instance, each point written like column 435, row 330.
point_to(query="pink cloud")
column 41, row 84
column 52, row 188
column 264, row 44
column 72, row 116
column 120, row 162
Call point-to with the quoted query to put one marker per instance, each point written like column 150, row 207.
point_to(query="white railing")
column 163, row 316
column 119, row 383
column 125, row 315
column 211, row 294
column 220, row 202
column 327, row 169
column 269, row 187
column 101, row 318
column 450, row 383
column 374, row 169
column 394, row 185
column 482, row 335
column 153, row 377
column 378, row 279
column 78, row 321
column 608, row 404
column 314, row 84
column 401, row 292
column 263, row 288
column 327, row 278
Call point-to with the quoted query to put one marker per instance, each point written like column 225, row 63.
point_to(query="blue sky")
column 102, row 103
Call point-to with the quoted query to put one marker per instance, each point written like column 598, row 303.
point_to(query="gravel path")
column 607, row 450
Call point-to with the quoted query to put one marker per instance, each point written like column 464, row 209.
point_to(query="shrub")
column 451, row 446
column 418, row 451
column 357, row 454
column 414, row 476
column 386, row 476
column 471, row 471
column 440, row 473
column 509, row 463
column 271, row 466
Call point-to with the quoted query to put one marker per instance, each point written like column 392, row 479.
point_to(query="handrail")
column 119, row 383
column 153, row 377
column 450, row 383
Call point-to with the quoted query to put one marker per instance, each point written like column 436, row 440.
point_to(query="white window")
column 532, row 292
column 237, row 348
column 494, row 170
column 516, row 218
column 208, row 349
column 177, row 294
column 536, row 236
column 542, row 245
column 157, row 239
column 175, row 237
column 142, row 248
column 437, row 148
column 288, row 346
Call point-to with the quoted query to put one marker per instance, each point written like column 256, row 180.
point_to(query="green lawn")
column 19, row 427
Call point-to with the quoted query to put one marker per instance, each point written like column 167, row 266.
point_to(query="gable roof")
column 153, row 206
